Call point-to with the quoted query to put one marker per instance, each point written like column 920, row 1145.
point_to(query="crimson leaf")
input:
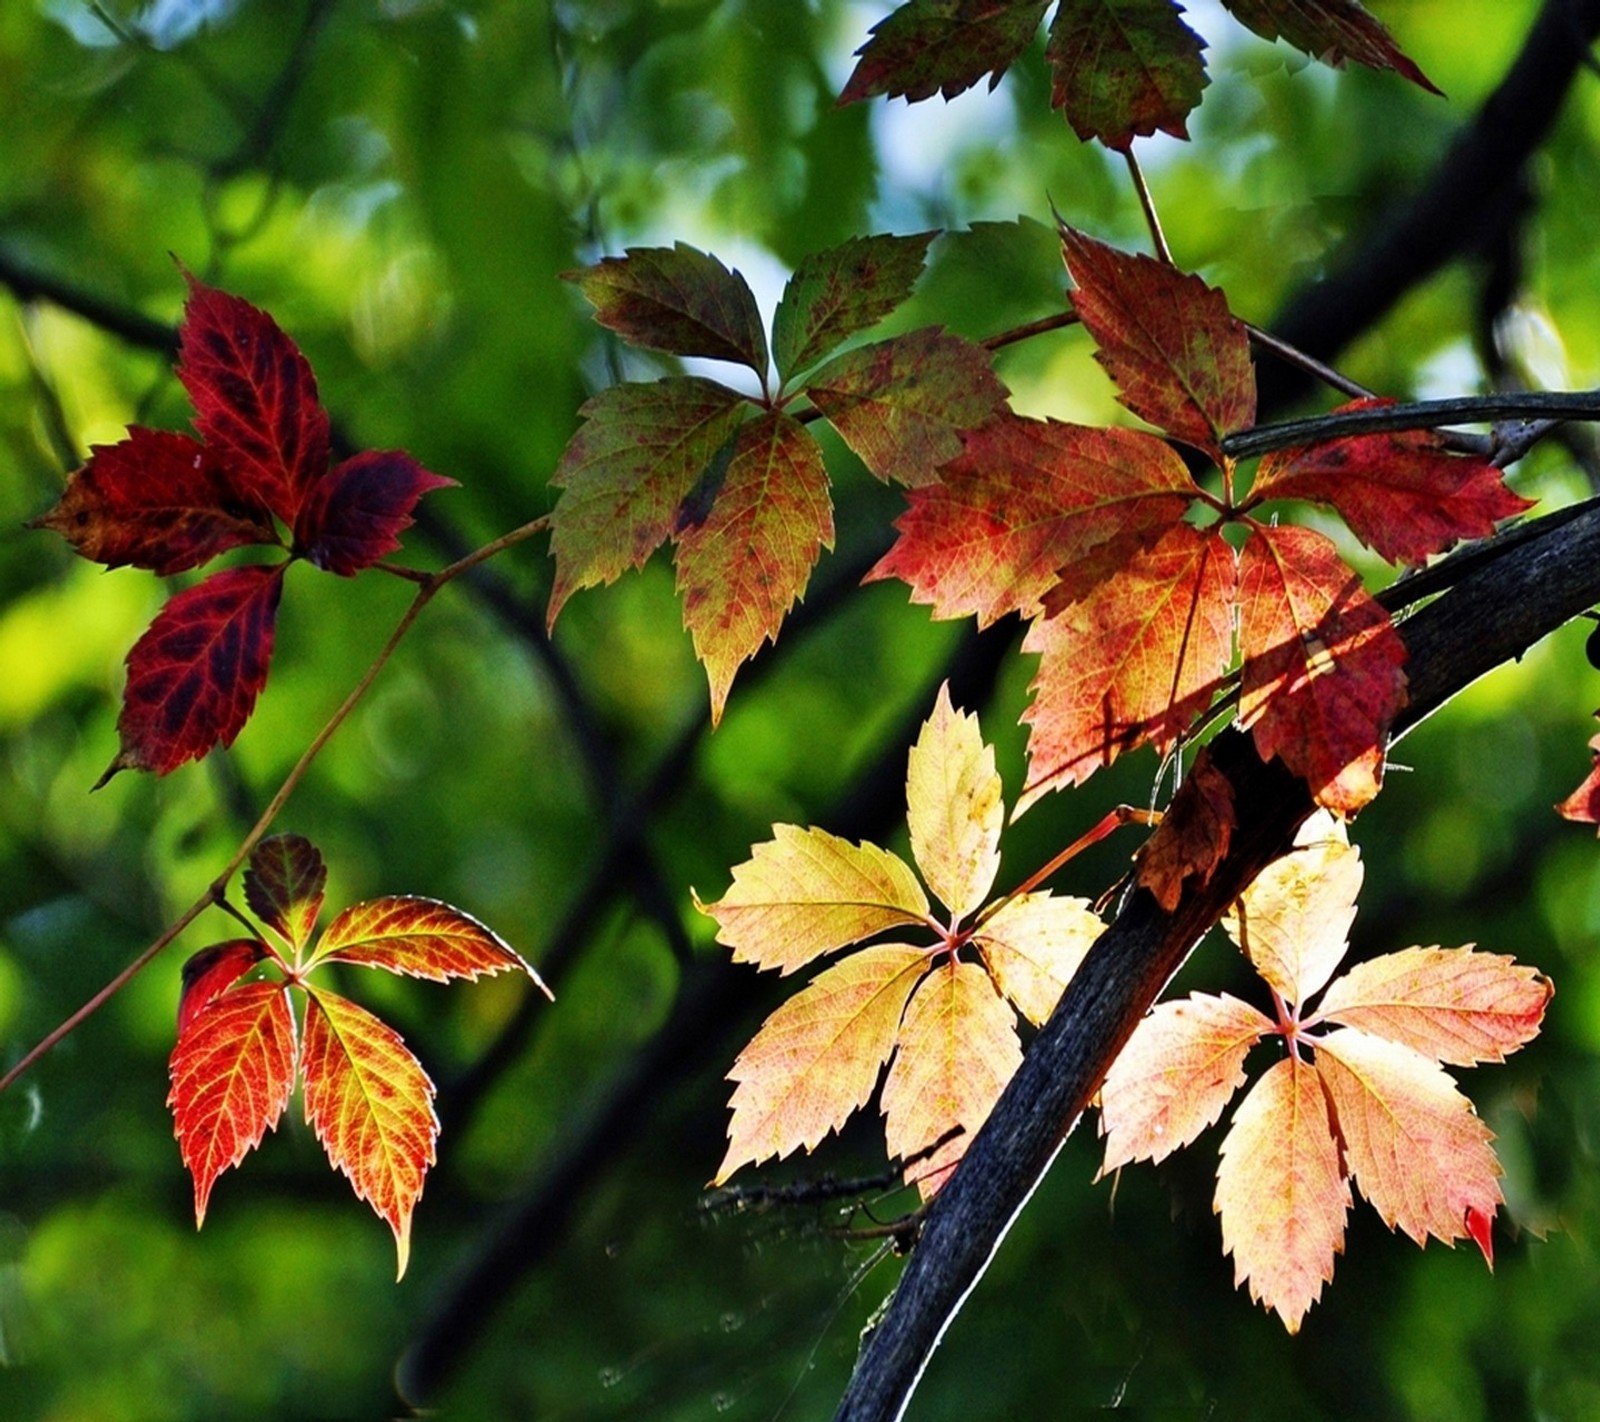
column 929, row 47
column 354, row 514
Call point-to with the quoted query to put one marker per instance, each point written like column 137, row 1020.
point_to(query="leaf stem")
column 1059, row 321
column 1148, row 203
column 1113, row 818
column 215, row 891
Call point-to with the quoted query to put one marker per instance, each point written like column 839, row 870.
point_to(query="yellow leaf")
column 955, row 811
column 1033, row 947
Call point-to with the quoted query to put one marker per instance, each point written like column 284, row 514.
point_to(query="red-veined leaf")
column 834, row 294
column 194, row 676
column 817, row 1058
column 1322, row 677
column 677, row 299
column 1583, row 804
column 1032, row 946
column 232, row 1070
column 1179, row 357
column 355, row 513
column 806, row 892
column 1124, row 68
column 284, row 886
column 1178, row 1070
column 255, row 398
column 1281, row 1192
column 955, row 809
column 929, row 47
column 1193, row 835
column 1024, row 499
column 212, row 971
column 903, row 404
column 371, row 1105
column 743, row 563
column 1330, row 30
column 156, row 500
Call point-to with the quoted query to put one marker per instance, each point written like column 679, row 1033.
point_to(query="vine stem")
column 214, row 894
column 1148, row 203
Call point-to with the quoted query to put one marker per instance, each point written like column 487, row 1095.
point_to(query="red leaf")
column 1330, row 30
column 194, row 676
column 156, row 500
column 232, row 1070
column 284, row 886
column 1137, row 655
column 1024, row 499
column 371, row 1105
column 1481, row 1227
column 1178, row 355
column 211, row 971
column 1583, row 804
column 1193, row 835
column 1404, row 495
column 354, row 514
column 929, row 47
column 677, row 299
column 255, row 398
column 1124, row 68
column 1322, row 676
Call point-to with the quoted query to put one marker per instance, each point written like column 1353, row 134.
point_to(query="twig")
column 1148, row 204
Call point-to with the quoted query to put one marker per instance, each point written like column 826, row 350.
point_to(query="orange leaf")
column 1452, row 1004
column 371, row 1105
column 956, row 1051
column 1033, row 945
column 1293, row 922
column 955, row 810
column 1412, row 1141
column 1583, row 804
column 1281, row 1193
column 211, row 972
column 232, row 1070
column 1178, row 1070
column 1193, row 835
column 816, row 1059
column 806, row 892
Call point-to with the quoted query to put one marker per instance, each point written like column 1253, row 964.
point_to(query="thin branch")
column 1147, row 205
column 1308, row 363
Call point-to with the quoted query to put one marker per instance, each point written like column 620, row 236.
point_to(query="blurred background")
column 400, row 183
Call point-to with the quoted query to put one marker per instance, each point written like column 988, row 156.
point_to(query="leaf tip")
column 1480, row 1225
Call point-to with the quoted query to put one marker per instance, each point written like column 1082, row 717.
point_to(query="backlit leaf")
column 836, row 293
column 156, row 500
column 371, row 1105
column 806, row 892
column 817, row 1058
column 628, row 470
column 212, row 971
column 903, row 404
column 1453, row 1004
column 1180, row 358
column 742, row 565
column 284, row 886
column 232, row 1070
column 1583, row 804
column 955, row 810
column 1193, row 835
column 1330, row 30
column 1124, row 69
column 929, row 47
column 956, row 1051
column 354, row 514
column 1033, row 945
column 1281, row 1193
column 1177, row 1072
column 1024, row 499
column 194, row 676
column 677, row 299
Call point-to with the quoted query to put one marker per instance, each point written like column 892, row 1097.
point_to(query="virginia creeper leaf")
column 1124, row 68
column 1583, row 804
column 255, row 398
column 1178, row 1070
column 627, row 471
column 1032, row 946
column 354, row 514
column 929, row 47
column 1404, row 495
column 956, row 1051
column 419, row 938
column 156, row 500
column 903, row 404
column 1024, row 499
column 677, row 299
column 742, row 565
column 1322, row 676
column 834, row 294
column 1411, row 1140
column 806, row 892
column 1330, row 30
column 284, row 886
column 1452, row 1004
column 371, row 1105
column 232, row 1070
column 1281, row 1193
column 817, row 1058
column 1193, row 835
column 1180, row 358
column 955, row 810
column 194, row 676
column 212, row 971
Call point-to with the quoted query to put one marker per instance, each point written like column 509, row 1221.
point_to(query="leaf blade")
column 284, row 886
column 929, row 47
column 955, row 808
column 1332, row 31
column 1033, row 945
column 354, row 514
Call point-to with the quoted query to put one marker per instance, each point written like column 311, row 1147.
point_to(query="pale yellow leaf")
column 954, row 808
column 1033, row 947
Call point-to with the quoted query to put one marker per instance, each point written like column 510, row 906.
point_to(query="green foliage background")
column 400, row 182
